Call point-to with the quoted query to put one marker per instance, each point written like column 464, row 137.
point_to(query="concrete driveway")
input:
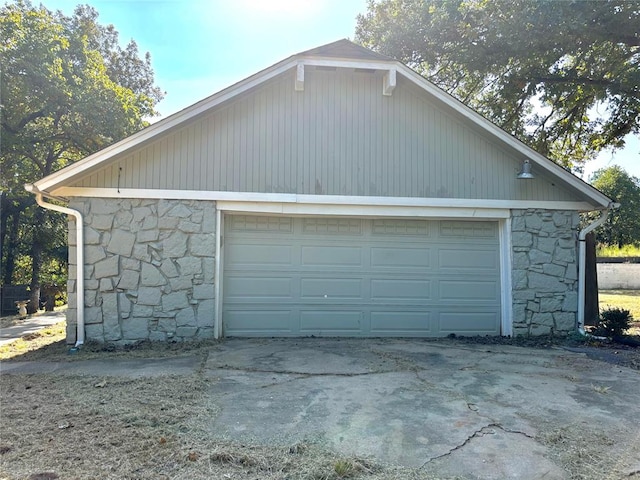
column 474, row 411
column 447, row 408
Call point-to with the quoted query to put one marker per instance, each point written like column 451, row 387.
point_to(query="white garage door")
column 327, row 276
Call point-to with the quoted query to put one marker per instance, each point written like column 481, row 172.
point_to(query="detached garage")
column 336, row 193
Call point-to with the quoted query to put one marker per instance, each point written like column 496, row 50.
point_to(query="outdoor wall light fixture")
column 525, row 173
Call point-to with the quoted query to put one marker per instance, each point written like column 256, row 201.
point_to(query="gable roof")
column 339, row 54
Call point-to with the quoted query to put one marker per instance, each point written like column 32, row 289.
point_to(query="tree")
column 68, row 89
column 623, row 225
column 562, row 76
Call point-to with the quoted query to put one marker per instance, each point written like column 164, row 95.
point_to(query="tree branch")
column 579, row 80
column 29, row 118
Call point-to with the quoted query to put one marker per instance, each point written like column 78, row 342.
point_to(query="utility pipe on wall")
column 79, row 255
column 582, row 261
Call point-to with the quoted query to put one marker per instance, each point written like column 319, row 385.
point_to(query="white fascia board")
column 342, row 210
column 326, row 200
column 50, row 182
column 505, row 137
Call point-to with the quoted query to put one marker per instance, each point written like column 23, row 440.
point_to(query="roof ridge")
column 345, row 48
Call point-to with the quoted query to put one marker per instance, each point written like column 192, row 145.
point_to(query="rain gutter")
column 582, row 259
column 79, row 254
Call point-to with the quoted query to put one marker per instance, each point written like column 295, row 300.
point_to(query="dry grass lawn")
column 58, row 427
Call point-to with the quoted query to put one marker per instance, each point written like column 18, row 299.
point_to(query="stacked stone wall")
column 544, row 271
column 149, row 269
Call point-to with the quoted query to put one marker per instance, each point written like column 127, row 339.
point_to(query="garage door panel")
column 331, row 321
column 400, row 227
column 472, row 289
column 258, row 322
column 400, row 258
column 481, row 232
column 331, row 226
column 405, row 289
column 246, row 288
column 253, row 255
column 464, row 258
column 361, row 277
column 335, row 256
column 258, row 223
column 400, row 323
column 344, row 288
column 470, row 322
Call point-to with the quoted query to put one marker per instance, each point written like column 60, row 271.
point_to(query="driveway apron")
column 450, row 409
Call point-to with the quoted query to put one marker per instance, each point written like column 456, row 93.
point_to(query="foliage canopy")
column 562, row 76
column 623, row 225
column 68, row 89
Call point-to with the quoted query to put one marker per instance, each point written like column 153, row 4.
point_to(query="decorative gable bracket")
column 388, row 80
column 300, row 77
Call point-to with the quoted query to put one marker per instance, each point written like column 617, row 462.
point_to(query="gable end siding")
column 340, row 136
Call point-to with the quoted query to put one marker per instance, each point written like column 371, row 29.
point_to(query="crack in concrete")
column 481, row 432
column 299, row 374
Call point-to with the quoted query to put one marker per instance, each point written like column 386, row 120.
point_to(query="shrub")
column 613, row 322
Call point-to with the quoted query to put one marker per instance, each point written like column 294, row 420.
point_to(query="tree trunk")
column 10, row 248
column 4, row 216
column 36, row 258
column 591, row 307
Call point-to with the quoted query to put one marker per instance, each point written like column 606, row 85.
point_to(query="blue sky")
column 199, row 47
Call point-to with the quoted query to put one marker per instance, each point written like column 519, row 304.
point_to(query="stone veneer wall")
column 149, row 269
column 544, row 271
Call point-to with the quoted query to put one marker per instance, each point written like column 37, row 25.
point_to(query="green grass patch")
column 627, row 299
column 615, row 251
column 52, row 337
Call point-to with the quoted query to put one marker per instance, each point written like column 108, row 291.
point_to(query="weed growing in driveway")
column 601, row 389
column 344, row 468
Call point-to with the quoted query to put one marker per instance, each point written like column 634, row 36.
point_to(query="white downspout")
column 79, row 255
column 582, row 259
